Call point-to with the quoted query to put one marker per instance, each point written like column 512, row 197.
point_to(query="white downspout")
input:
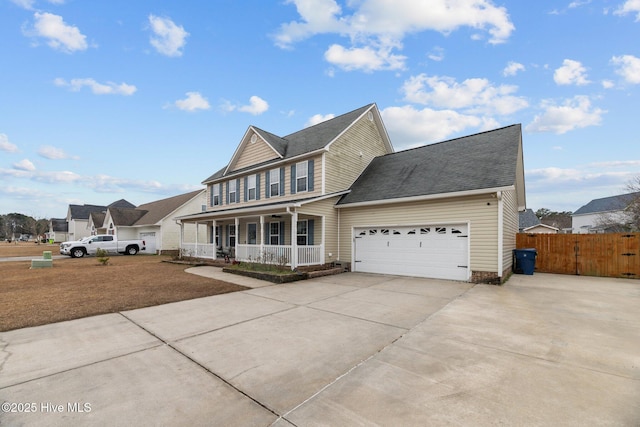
column 500, row 234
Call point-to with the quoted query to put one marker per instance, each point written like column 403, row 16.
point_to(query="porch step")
column 329, row 272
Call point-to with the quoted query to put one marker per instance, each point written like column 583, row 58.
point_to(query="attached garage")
column 150, row 242
column 435, row 251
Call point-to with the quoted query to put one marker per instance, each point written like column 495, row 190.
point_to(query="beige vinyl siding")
column 324, row 208
column 254, row 153
column 481, row 212
column 344, row 163
column 510, row 227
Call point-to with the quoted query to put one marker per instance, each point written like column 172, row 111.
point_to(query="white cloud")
column 59, row 35
column 24, row 165
column 473, row 95
column 169, row 38
column 628, row 67
column 376, row 28
column 7, row 146
column 366, row 58
column 108, row 88
column 512, row 69
column 437, row 54
column 193, row 102
column 607, row 84
column 573, row 113
column 318, row 118
column 571, row 73
column 28, row 4
column 53, row 153
column 409, row 127
column 256, row 106
column 630, row 6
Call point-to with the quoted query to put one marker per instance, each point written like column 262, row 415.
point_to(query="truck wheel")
column 132, row 250
column 77, row 253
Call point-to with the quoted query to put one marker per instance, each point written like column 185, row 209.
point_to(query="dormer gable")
column 257, row 146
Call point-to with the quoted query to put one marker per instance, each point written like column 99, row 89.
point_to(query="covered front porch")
column 278, row 236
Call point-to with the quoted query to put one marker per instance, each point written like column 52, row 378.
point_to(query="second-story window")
column 274, row 182
column 216, row 200
column 251, row 187
column 301, row 176
column 232, row 191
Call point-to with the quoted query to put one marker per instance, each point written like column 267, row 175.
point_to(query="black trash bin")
column 524, row 261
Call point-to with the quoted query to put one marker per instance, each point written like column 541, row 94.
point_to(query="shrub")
column 102, row 256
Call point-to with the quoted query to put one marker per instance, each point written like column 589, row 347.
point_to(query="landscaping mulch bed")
column 76, row 288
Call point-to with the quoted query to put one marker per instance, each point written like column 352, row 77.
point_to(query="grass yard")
column 76, row 288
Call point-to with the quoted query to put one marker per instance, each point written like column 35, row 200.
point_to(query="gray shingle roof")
column 607, row 204
column 83, row 211
column 158, row 210
column 306, row 140
column 527, row 218
column 484, row 160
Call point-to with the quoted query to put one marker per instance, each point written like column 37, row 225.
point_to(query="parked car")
column 107, row 242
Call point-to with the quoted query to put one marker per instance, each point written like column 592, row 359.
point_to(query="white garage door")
column 150, row 242
column 426, row 251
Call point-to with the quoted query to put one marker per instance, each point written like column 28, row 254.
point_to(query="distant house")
column 337, row 192
column 58, row 230
column 526, row 219
column 603, row 215
column 153, row 222
column 78, row 217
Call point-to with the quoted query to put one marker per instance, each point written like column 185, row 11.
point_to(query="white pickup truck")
column 111, row 244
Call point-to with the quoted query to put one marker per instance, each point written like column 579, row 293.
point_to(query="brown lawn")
column 76, row 288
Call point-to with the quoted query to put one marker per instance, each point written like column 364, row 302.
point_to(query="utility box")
column 524, row 260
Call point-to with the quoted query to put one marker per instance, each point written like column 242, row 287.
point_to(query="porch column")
column 261, row 234
column 214, row 224
column 181, row 239
column 294, row 240
column 322, row 249
column 196, row 250
column 237, row 224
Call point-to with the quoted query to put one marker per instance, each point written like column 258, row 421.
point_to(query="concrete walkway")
column 350, row 349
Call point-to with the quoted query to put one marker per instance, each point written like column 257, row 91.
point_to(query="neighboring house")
column 526, row 219
column 530, row 223
column 96, row 222
column 337, row 192
column 154, row 222
column 58, row 230
column 603, row 215
column 78, row 217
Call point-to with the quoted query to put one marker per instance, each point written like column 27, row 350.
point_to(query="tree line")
column 15, row 225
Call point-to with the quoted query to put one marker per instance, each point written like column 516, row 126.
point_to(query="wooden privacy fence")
column 606, row 255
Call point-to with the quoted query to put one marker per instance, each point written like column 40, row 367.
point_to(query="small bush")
column 102, row 256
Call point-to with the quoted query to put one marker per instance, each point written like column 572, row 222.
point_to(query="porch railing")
column 269, row 254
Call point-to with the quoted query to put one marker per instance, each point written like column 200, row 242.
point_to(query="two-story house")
column 337, row 192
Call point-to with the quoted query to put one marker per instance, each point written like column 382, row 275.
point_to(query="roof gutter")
column 426, row 197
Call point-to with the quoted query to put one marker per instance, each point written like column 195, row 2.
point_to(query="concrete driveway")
column 345, row 350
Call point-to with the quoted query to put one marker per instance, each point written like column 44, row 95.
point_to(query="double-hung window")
column 232, row 191
column 301, row 176
column 274, row 233
column 216, row 200
column 251, row 187
column 274, row 182
column 302, row 232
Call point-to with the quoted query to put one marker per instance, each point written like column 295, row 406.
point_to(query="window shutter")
column 228, row 240
column 267, row 229
column 310, row 232
column 282, row 232
column 211, row 187
column 282, row 181
column 293, row 179
column 267, row 187
column 310, row 175
column 258, row 186
column 220, row 194
column 227, row 187
column 238, row 190
column 246, row 188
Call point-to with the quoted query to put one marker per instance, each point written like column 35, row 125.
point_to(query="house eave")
column 426, row 197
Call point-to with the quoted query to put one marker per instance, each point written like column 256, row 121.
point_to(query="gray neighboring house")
column 78, row 217
column 527, row 219
column 58, row 230
column 598, row 215
column 153, row 222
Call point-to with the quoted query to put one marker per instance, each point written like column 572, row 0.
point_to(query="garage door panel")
column 428, row 251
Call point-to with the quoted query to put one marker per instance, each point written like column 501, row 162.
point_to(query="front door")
column 252, row 233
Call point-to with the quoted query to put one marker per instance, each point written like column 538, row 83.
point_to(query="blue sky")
column 103, row 100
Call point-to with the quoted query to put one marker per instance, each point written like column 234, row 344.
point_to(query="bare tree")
column 633, row 209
